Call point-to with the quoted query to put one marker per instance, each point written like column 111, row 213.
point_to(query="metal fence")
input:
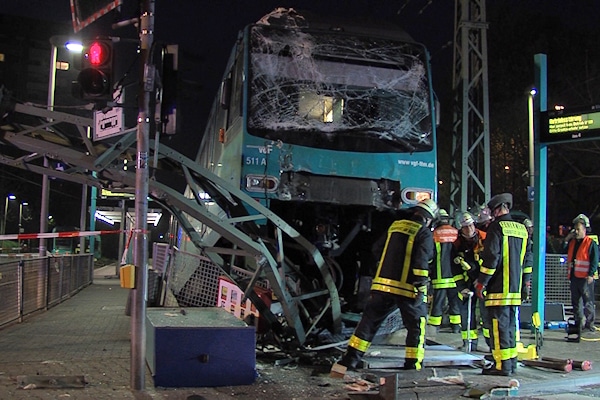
column 557, row 286
column 193, row 280
column 28, row 285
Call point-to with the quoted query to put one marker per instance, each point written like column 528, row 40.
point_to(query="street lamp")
column 55, row 42
column 21, row 229
column 9, row 197
column 530, row 97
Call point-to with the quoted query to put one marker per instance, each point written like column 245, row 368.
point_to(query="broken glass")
column 340, row 91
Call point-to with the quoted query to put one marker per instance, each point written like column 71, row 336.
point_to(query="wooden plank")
column 50, row 381
column 429, row 383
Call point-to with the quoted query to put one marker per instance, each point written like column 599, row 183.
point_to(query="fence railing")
column 28, row 285
column 557, row 285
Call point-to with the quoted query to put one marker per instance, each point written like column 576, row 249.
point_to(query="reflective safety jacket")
column 441, row 272
column 502, row 261
column 583, row 260
column 404, row 263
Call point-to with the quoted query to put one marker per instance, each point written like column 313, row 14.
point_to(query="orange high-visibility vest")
column 581, row 266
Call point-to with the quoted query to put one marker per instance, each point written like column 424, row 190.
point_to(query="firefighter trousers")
column 379, row 306
column 503, row 322
column 437, row 306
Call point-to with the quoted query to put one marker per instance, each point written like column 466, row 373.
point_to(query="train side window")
column 225, row 93
column 235, row 99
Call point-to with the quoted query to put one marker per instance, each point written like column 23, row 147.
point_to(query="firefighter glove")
column 421, row 295
column 479, row 289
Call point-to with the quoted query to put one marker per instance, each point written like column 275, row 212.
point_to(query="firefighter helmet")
column 429, row 207
column 583, row 219
column 443, row 217
column 465, row 219
column 484, row 216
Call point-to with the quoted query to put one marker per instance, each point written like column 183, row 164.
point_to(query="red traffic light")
column 97, row 54
column 95, row 79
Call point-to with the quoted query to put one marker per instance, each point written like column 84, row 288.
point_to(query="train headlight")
column 413, row 195
column 261, row 183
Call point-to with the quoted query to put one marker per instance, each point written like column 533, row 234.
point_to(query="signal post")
column 138, row 314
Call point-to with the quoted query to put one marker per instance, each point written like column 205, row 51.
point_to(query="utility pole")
column 138, row 314
column 470, row 180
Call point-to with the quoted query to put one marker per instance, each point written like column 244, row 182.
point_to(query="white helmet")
column 429, row 206
column 465, row 219
column 583, row 219
column 443, row 217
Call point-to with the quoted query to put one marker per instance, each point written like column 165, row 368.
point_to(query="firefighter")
column 400, row 282
column 467, row 260
column 582, row 267
column 500, row 277
column 442, row 278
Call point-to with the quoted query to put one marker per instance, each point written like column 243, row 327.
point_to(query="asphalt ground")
column 80, row 349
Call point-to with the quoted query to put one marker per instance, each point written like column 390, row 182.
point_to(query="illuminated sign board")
column 107, row 193
column 570, row 125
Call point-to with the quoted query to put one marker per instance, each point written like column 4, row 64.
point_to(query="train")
column 331, row 124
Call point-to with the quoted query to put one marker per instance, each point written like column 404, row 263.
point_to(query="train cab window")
column 319, row 107
column 324, row 89
column 235, row 98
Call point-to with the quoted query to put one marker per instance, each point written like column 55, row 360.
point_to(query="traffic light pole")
column 138, row 313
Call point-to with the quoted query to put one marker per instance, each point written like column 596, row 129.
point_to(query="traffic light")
column 95, row 78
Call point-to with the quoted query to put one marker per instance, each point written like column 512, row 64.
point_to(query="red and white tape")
column 75, row 14
column 51, row 235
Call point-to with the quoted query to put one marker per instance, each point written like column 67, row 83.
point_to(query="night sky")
column 206, row 30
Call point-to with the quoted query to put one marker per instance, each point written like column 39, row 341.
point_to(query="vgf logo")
column 262, row 149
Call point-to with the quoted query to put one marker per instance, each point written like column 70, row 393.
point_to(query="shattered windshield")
column 338, row 91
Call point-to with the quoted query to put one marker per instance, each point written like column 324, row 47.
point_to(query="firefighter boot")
column 411, row 363
column 494, row 371
column 573, row 330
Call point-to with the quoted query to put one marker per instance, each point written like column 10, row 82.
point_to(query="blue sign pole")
column 540, row 191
